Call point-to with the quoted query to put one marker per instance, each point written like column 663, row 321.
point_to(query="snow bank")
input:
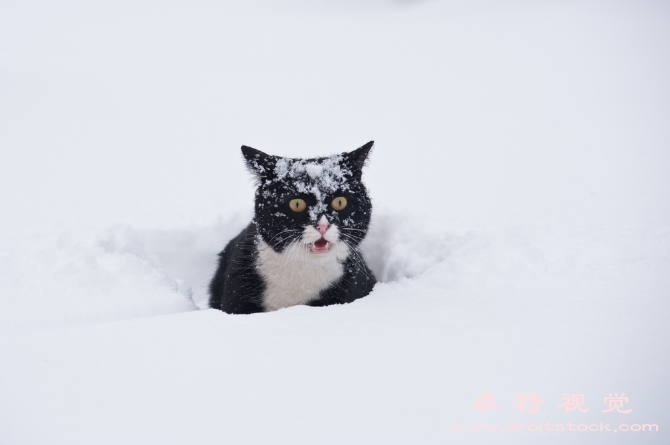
column 73, row 281
column 123, row 272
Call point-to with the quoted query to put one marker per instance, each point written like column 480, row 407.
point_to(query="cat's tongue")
column 321, row 245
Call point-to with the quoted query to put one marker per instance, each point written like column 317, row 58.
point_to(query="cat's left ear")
column 259, row 163
column 357, row 158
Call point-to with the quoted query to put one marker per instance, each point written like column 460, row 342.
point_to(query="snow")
column 325, row 174
column 67, row 282
column 520, row 228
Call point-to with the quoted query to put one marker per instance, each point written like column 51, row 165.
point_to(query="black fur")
column 237, row 287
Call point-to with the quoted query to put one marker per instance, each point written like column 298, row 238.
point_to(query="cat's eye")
column 297, row 205
column 339, row 203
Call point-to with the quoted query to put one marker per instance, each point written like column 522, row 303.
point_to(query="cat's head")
column 319, row 206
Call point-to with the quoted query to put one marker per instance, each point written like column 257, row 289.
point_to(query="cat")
column 302, row 245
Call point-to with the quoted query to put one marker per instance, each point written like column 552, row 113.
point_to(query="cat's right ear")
column 259, row 163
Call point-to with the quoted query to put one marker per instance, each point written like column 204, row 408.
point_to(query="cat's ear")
column 259, row 163
column 356, row 159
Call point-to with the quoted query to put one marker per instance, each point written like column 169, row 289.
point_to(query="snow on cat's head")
column 319, row 201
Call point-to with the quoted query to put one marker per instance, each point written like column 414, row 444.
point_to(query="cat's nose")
column 322, row 226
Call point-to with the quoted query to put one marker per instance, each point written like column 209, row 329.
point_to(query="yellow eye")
column 297, row 205
column 339, row 203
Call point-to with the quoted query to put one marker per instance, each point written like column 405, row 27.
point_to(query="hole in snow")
column 395, row 248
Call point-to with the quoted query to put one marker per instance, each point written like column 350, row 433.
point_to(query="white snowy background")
column 521, row 187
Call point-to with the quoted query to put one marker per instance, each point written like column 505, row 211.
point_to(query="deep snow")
column 521, row 218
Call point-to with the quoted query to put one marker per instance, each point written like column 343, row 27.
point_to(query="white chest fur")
column 294, row 276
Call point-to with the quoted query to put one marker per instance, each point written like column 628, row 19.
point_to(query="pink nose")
column 322, row 228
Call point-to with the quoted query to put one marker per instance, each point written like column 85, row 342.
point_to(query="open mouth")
column 320, row 246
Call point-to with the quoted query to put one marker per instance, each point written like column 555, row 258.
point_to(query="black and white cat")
column 302, row 245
